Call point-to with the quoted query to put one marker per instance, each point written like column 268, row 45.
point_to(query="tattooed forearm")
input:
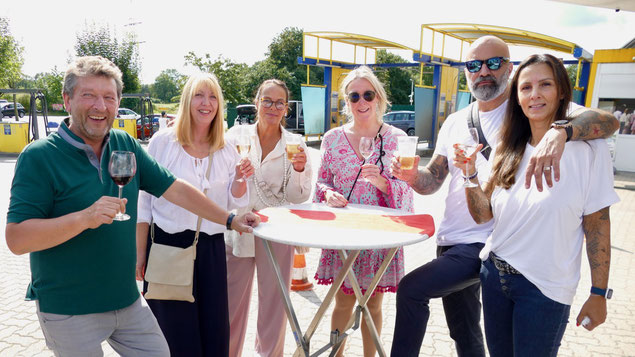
column 597, row 229
column 431, row 177
column 478, row 203
column 593, row 124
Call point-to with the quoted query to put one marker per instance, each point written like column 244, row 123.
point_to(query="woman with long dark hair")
column 531, row 261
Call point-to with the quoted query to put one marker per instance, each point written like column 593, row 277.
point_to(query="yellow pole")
column 432, row 49
column 318, row 51
column 331, row 53
column 355, row 54
column 577, row 75
column 443, row 48
column 365, row 54
column 303, row 47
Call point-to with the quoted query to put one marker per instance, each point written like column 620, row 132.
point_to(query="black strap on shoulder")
column 381, row 154
column 473, row 121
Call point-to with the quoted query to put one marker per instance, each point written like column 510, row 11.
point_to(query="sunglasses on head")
column 493, row 63
column 368, row 95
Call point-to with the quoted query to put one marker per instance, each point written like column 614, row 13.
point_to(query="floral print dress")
column 338, row 169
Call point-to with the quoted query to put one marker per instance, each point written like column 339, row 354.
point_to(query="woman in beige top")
column 277, row 181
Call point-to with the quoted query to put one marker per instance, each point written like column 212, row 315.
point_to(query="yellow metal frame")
column 351, row 39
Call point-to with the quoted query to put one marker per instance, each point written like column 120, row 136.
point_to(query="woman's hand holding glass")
column 295, row 152
column 244, row 169
column 466, row 161
column 335, row 199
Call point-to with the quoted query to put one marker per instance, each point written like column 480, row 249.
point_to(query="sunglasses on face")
column 493, row 63
column 368, row 95
column 267, row 103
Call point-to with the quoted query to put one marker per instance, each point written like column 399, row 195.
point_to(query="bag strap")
column 200, row 219
column 475, row 122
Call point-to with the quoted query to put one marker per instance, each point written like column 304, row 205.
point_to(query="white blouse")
column 170, row 154
column 270, row 175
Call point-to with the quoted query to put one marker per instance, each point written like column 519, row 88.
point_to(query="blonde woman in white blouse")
column 276, row 181
column 200, row 328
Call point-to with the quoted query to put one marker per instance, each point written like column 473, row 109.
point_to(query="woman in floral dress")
column 341, row 180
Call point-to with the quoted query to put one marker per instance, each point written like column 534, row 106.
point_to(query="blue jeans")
column 453, row 276
column 519, row 319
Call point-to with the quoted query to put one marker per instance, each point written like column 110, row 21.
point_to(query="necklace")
column 261, row 185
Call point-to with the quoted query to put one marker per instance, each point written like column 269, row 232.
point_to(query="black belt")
column 502, row 265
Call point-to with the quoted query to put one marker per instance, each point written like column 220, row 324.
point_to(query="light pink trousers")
column 272, row 318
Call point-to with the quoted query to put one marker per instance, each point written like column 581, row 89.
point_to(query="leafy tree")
column 168, row 84
column 51, row 84
column 572, row 71
column 230, row 74
column 283, row 54
column 396, row 80
column 11, row 56
column 96, row 40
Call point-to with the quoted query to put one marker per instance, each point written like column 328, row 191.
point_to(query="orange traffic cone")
column 299, row 280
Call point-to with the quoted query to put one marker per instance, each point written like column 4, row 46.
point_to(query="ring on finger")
column 547, row 168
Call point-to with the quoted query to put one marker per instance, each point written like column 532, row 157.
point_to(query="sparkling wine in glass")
column 243, row 145
column 293, row 145
column 122, row 168
column 366, row 147
column 468, row 147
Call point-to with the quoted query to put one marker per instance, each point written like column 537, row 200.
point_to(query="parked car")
column 125, row 113
column 9, row 111
column 147, row 129
column 403, row 119
column 245, row 114
column 295, row 117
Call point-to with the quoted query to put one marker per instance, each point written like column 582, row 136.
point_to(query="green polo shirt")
column 95, row 270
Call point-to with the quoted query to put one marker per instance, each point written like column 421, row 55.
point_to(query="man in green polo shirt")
column 61, row 212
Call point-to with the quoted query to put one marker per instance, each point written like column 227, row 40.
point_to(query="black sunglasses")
column 493, row 63
column 368, row 95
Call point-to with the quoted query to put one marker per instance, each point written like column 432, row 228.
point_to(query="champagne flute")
column 243, row 145
column 366, row 148
column 122, row 168
column 468, row 147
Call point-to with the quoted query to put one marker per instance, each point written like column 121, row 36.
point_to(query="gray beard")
column 487, row 93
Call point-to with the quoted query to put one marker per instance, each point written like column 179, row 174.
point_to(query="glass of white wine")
column 366, row 148
column 469, row 146
column 243, row 145
column 293, row 145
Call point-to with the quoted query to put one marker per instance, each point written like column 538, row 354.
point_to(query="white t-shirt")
column 540, row 233
column 171, row 155
column 457, row 225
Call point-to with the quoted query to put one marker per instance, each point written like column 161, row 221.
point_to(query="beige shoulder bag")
column 170, row 270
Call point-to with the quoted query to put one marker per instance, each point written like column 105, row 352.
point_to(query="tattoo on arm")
column 597, row 229
column 431, row 177
column 478, row 203
column 593, row 124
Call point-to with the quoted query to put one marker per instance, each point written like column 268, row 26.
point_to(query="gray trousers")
column 131, row 331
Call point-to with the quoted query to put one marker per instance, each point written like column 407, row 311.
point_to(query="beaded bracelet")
column 472, row 176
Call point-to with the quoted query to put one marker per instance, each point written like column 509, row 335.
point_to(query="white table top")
column 316, row 236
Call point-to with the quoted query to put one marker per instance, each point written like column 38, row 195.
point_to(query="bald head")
column 488, row 44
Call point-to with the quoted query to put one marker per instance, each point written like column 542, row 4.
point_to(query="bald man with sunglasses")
column 454, row 274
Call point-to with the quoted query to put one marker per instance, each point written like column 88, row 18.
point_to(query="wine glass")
column 122, row 168
column 468, row 147
column 366, row 147
column 243, row 145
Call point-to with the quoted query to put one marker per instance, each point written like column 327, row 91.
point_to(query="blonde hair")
column 183, row 128
column 364, row 72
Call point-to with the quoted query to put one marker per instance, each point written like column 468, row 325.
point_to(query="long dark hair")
column 516, row 132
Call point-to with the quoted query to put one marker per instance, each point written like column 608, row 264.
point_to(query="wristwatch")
column 564, row 124
column 607, row 293
column 230, row 218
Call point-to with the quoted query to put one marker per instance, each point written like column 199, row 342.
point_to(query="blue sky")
column 241, row 30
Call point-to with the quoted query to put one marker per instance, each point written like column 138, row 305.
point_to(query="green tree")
column 51, row 85
column 11, row 58
column 97, row 40
column 572, row 71
column 397, row 81
column 283, row 54
column 167, row 85
column 230, row 74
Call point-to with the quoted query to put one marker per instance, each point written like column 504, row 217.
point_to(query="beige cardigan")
column 271, row 172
